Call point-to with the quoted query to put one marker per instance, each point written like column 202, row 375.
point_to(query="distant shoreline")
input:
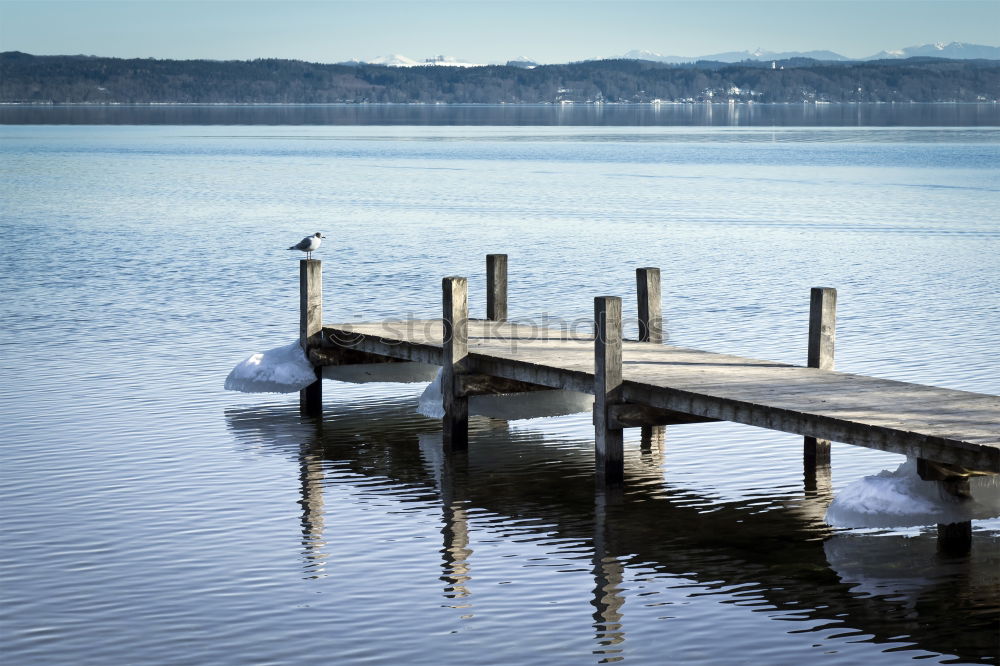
column 478, row 104
column 53, row 80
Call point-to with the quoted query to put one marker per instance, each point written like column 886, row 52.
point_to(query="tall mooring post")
column 455, row 347
column 607, row 385
column 822, row 336
column 647, row 289
column 310, row 328
column 496, row 287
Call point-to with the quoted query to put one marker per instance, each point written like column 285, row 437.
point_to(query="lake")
column 149, row 516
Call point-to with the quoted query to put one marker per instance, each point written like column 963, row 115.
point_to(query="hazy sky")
column 482, row 30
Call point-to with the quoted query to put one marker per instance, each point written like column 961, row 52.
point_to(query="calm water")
column 151, row 517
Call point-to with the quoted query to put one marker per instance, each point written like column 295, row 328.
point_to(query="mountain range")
column 950, row 50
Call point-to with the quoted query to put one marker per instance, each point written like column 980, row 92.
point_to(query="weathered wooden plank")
column 898, row 439
column 325, row 356
column 455, row 348
column 406, row 341
column 310, row 328
column 470, row 384
column 607, row 385
column 496, row 287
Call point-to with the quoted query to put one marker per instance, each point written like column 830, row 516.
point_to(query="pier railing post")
column 647, row 289
column 455, row 347
column 607, row 384
column 647, row 282
column 310, row 326
column 822, row 335
column 496, row 287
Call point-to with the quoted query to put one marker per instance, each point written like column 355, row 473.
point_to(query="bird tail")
column 292, row 247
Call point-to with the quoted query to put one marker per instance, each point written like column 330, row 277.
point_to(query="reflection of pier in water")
column 785, row 557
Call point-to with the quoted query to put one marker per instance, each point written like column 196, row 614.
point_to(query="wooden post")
column 310, row 326
column 607, row 384
column 822, row 327
column 822, row 334
column 647, row 282
column 496, row 287
column 455, row 297
column 647, row 289
column 954, row 539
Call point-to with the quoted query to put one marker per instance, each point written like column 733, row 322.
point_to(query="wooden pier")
column 645, row 383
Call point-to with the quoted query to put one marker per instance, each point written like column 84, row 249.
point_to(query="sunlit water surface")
column 151, row 517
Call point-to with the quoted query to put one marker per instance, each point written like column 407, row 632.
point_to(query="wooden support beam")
column 455, row 349
column 478, row 384
column 310, row 329
column 346, row 356
column 632, row 415
column 607, row 385
column 822, row 335
column 496, row 287
column 931, row 470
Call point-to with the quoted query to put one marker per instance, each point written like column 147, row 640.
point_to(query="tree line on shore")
column 32, row 79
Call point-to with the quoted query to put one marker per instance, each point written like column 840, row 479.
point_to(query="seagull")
column 309, row 244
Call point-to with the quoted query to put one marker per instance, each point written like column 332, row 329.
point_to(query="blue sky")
column 482, row 30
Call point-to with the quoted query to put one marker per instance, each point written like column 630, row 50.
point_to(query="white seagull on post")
column 309, row 244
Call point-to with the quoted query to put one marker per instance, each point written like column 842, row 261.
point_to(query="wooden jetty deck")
column 646, row 383
column 686, row 385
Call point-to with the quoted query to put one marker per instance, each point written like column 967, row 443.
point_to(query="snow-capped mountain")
column 954, row 50
column 760, row 54
column 393, row 60
column 642, row 54
column 396, row 60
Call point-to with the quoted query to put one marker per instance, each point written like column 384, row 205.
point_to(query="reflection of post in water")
column 652, row 440
column 786, row 553
column 608, row 576
column 817, row 478
column 455, row 551
column 311, row 479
